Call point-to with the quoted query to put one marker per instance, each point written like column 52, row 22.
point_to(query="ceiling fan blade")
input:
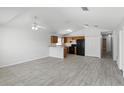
column 42, row 27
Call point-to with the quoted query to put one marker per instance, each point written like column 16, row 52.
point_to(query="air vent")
column 84, row 8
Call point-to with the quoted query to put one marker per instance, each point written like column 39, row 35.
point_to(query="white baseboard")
column 29, row 60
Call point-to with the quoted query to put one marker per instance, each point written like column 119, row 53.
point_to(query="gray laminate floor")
column 74, row 70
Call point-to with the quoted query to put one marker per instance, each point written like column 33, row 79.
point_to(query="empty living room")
column 61, row 46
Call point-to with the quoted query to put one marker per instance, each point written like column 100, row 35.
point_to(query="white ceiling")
column 59, row 18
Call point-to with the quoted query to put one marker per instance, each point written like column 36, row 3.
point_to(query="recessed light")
column 69, row 30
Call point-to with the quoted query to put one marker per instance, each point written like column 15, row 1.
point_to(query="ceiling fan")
column 36, row 26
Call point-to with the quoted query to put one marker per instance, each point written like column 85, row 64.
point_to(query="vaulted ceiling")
column 60, row 18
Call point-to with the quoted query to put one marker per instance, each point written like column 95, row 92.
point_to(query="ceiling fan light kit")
column 35, row 25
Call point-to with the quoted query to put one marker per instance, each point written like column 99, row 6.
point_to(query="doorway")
column 106, row 48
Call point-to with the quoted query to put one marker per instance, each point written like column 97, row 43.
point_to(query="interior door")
column 104, row 45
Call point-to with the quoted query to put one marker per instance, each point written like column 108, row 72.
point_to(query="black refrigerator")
column 80, row 49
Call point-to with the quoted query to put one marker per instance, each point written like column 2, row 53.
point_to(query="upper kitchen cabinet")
column 65, row 39
column 54, row 39
column 68, row 39
column 77, row 37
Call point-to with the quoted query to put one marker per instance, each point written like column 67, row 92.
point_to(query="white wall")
column 118, row 46
column 93, row 46
column 120, row 60
column 115, row 36
column 122, row 50
column 92, row 41
column 18, row 43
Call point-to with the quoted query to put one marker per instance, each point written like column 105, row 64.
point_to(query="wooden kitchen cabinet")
column 54, row 39
column 71, row 38
column 65, row 39
column 65, row 52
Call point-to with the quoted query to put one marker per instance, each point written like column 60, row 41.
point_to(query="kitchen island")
column 58, row 51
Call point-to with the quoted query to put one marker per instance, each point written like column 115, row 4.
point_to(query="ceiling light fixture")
column 35, row 25
column 69, row 30
column 64, row 32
